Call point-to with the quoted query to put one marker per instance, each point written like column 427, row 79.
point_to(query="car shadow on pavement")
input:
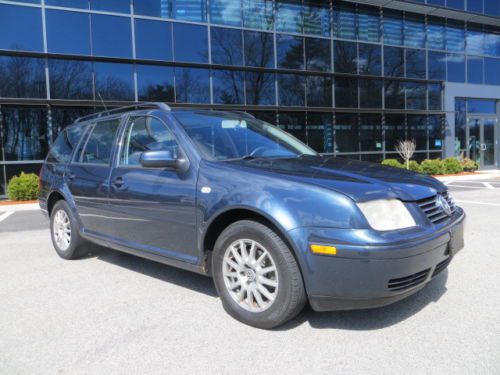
column 372, row 319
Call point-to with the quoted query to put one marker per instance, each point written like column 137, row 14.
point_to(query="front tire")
column 64, row 232
column 257, row 276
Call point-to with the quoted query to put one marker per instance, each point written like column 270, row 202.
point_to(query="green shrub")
column 434, row 166
column 469, row 165
column 392, row 163
column 452, row 166
column 23, row 187
column 415, row 167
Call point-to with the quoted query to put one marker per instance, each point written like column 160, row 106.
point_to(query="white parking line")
column 5, row 215
column 466, row 186
column 476, row 202
column 488, row 185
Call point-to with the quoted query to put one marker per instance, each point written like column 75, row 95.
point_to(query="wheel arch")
column 52, row 199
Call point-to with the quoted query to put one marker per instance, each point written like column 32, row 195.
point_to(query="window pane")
column 369, row 28
column 114, row 81
column 437, row 2
column 370, row 132
column 346, row 132
column 417, row 130
column 316, row 18
column 15, row 35
column 414, row 32
column 226, row 12
column 153, row 8
column 491, row 69
column 344, row 22
column 492, row 44
column 416, row 95
column 293, row 123
column 492, row 7
column 318, row 55
column 393, row 28
column 228, row 87
column 475, row 42
column 259, row 49
column 346, row 92
column 481, row 106
column 24, row 133
column 61, row 117
column 394, row 95
column 291, row 90
column 22, row 77
column 189, row 10
column 436, row 35
column 153, row 40
column 460, row 125
column 457, row 4
column 193, row 36
column 437, row 65
column 370, row 59
column 455, row 38
column 434, row 97
column 81, row 4
column 227, row 46
column 475, row 6
column 394, row 131
column 346, row 57
column 192, row 85
column 290, row 51
column 258, row 14
column 70, row 79
column 146, row 134
column 394, row 62
column 119, row 6
column 155, row 83
column 68, row 32
column 319, row 91
column 435, row 132
column 370, row 93
column 100, row 143
column 289, row 16
column 320, row 131
column 260, row 88
column 111, row 36
column 415, row 63
column 475, row 69
column 63, row 147
column 456, row 68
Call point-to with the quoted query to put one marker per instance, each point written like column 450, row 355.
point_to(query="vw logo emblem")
column 443, row 203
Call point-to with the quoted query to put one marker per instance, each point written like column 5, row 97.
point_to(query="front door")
column 483, row 144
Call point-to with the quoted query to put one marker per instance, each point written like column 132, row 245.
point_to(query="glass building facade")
column 348, row 78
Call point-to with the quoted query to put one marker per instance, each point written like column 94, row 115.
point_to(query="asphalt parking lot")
column 115, row 313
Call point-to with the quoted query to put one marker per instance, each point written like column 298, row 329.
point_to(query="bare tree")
column 406, row 149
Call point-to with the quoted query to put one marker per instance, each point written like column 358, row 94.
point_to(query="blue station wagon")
column 223, row 194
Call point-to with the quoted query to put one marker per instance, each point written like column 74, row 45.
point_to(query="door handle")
column 118, row 182
column 71, row 176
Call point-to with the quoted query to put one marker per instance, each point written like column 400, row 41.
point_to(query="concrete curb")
column 471, row 177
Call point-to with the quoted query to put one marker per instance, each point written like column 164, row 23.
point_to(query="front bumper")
column 363, row 275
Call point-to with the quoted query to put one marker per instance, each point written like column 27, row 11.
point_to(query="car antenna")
column 102, row 101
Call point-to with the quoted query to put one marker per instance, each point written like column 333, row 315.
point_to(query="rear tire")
column 257, row 276
column 64, row 232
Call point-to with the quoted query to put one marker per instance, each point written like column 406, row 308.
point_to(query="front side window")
column 146, row 134
column 99, row 145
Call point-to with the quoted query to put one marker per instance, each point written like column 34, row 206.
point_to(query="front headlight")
column 387, row 214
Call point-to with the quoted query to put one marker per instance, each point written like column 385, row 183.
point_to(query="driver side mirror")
column 163, row 159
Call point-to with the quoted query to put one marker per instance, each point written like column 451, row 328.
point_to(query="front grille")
column 433, row 211
column 407, row 282
column 441, row 266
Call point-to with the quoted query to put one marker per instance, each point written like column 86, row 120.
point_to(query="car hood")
column 359, row 180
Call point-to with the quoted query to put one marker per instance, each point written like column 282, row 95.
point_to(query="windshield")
column 220, row 136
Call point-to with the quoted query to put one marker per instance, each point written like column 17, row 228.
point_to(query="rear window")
column 65, row 143
column 100, row 143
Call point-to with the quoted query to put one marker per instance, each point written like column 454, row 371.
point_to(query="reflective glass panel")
column 226, row 12
column 81, row 4
column 259, row 49
column 260, row 88
column 437, row 65
column 228, row 86
column 394, row 62
column 456, row 68
column 492, row 7
column 370, row 132
column 189, row 10
column 320, row 131
column 415, row 63
column 475, row 42
column 155, row 83
column 192, row 85
column 22, row 77
column 70, row 79
column 346, row 57
column 475, row 6
column 153, row 40
column 455, row 37
column 114, row 81
column 414, row 31
column 416, row 95
column 68, row 32
column 370, row 93
column 290, row 51
column 346, row 132
column 15, row 35
column 481, row 106
column 394, row 94
column 99, row 144
column 153, row 8
column 417, row 130
column 319, row 91
column 316, row 17
column 258, row 14
column 119, row 6
column 227, row 46
column 293, row 123
column 368, row 25
column 460, row 126
column 289, row 16
column 291, row 90
column 196, row 38
column 457, row 4
column 346, row 92
column 491, row 69
column 318, row 56
column 64, row 116
column 436, row 35
column 492, row 44
column 435, row 132
column 434, row 96
column 344, row 22
column 370, row 59
column 394, row 132
column 66, row 142
column 393, row 28
column 475, row 69
column 111, row 36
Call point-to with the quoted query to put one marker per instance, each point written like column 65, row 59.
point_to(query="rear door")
column 153, row 209
column 88, row 176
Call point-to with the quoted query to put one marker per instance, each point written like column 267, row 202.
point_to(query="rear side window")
column 99, row 145
column 65, row 143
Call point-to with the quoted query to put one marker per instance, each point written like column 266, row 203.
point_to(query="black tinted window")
column 100, row 143
column 64, row 145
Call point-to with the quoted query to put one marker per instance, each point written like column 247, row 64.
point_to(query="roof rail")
column 152, row 105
